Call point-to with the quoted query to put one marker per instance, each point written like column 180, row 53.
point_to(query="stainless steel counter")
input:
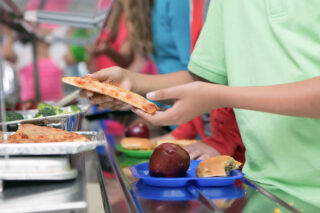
column 44, row 197
column 48, row 196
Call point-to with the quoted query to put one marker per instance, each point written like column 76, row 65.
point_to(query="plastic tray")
column 142, row 171
column 185, row 193
column 54, row 148
column 146, row 191
column 134, row 153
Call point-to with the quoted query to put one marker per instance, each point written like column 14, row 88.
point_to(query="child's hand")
column 191, row 100
column 201, row 151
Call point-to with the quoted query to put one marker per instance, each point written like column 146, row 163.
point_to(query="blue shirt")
column 171, row 35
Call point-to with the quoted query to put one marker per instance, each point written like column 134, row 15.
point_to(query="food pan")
column 37, row 168
column 70, row 122
column 53, row 148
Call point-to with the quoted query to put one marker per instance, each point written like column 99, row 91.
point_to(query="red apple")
column 139, row 130
column 169, row 160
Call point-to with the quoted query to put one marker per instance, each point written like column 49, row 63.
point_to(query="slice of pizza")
column 112, row 90
column 29, row 133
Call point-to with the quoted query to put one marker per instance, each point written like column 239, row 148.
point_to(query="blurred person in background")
column 114, row 46
column 18, row 51
column 159, row 28
column 147, row 28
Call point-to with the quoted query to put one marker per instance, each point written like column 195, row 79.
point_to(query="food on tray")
column 137, row 143
column 49, row 110
column 29, row 133
column 112, row 90
column 180, row 142
column 219, row 166
column 138, row 129
column 169, row 160
column 12, row 116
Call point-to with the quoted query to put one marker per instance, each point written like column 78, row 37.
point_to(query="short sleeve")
column 208, row 57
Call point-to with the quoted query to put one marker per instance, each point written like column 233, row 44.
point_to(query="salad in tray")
column 43, row 111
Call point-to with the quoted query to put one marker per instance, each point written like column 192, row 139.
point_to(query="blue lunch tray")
column 142, row 171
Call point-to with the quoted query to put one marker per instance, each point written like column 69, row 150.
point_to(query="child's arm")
column 295, row 99
column 136, row 82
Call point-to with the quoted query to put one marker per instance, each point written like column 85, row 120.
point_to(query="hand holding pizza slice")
column 113, row 90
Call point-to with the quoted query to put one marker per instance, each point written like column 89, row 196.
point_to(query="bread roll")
column 217, row 166
column 137, row 143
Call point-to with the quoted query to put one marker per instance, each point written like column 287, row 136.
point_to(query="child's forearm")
column 296, row 99
column 143, row 83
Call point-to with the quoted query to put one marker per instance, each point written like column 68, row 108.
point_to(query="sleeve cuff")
column 210, row 75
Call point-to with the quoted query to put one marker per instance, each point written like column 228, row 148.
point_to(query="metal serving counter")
column 128, row 194
column 116, row 190
column 56, row 196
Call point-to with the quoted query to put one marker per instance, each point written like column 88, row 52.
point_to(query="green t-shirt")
column 267, row 42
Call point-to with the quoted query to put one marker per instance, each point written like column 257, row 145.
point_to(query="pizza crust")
column 113, row 91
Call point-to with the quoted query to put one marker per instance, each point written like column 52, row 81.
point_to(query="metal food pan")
column 37, row 168
column 69, row 122
column 54, row 148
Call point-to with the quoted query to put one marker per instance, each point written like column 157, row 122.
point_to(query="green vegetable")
column 12, row 116
column 48, row 110
column 75, row 108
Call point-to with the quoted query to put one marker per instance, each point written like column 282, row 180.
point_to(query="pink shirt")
column 51, row 88
column 103, row 61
